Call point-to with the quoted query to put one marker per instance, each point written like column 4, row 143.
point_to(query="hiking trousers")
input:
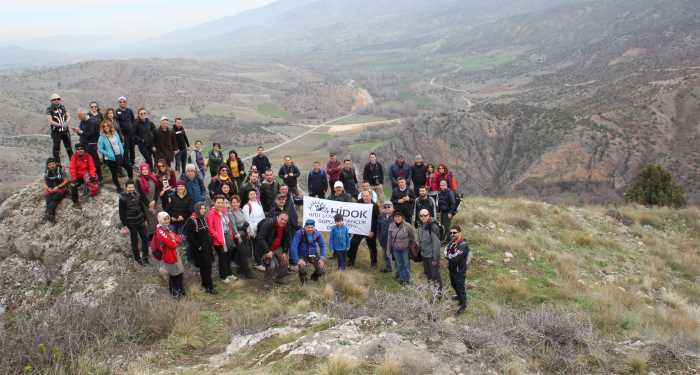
column 458, row 278
column 355, row 244
column 61, row 136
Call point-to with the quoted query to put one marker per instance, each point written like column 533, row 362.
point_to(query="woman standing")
column 254, row 214
column 400, row 236
column 237, row 168
column 109, row 115
column 149, row 188
column 167, row 242
column 197, row 232
column 216, row 159
column 112, row 149
column 167, row 179
column 223, row 178
column 242, row 254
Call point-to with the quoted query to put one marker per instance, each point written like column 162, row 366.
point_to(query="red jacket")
column 216, row 229
column 168, row 241
column 79, row 166
column 432, row 183
column 333, row 170
column 448, row 176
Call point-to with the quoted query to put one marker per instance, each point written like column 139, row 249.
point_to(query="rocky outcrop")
column 83, row 255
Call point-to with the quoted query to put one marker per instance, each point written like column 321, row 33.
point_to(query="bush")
column 655, row 187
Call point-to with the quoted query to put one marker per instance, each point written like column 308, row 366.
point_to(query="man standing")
column 89, row 132
column 260, row 161
column 446, row 205
column 317, row 182
column 125, row 117
column 283, row 204
column 370, row 239
column 59, row 118
column 383, row 222
column 308, row 251
column 374, row 175
column 144, row 133
column 252, row 185
column 164, row 144
column 269, row 189
column 132, row 213
column 429, row 244
column 365, row 187
column 333, row 169
column 349, row 178
column 339, row 193
column 457, row 257
column 424, row 202
column 399, row 170
column 402, row 197
column 273, row 243
column 289, row 173
column 182, row 145
column 419, row 173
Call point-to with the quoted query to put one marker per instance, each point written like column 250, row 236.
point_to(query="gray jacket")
column 429, row 240
column 400, row 236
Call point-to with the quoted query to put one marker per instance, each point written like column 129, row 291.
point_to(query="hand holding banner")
column 357, row 216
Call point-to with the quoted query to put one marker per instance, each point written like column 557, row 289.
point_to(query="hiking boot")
column 385, row 270
column 460, row 311
column 77, row 206
column 259, row 267
column 211, row 291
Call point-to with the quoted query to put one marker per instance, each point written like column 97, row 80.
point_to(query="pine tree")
column 655, row 186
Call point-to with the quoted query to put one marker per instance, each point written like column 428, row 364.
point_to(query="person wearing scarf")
column 197, row 232
column 148, row 187
column 168, row 241
column 223, row 178
column 235, row 164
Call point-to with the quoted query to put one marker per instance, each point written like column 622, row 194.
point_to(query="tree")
column 654, row 186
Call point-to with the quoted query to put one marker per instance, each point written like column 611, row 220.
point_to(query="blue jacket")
column 195, row 188
column 340, row 239
column 105, row 147
column 302, row 248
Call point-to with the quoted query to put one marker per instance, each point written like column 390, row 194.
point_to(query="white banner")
column 357, row 216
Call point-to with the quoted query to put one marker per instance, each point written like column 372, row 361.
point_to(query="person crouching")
column 168, row 242
column 309, row 252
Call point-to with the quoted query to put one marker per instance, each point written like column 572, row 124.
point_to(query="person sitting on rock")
column 273, row 243
column 82, row 170
column 55, row 182
column 309, row 252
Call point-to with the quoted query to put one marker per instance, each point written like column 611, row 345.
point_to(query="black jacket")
column 199, row 240
column 374, row 174
column 447, row 202
column 132, row 209
column 349, row 180
column 164, row 141
column 246, row 189
column 266, row 235
column 125, row 118
column 181, row 138
column 290, row 181
column 179, row 207
column 215, row 186
column 419, row 175
column 424, row 204
column 262, row 163
column 90, row 130
column 405, row 208
column 269, row 193
column 317, row 182
column 144, row 132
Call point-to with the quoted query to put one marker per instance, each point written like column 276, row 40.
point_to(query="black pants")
column 176, row 284
column 203, row 258
column 52, row 202
column 91, row 148
column 129, row 153
column 312, row 267
column 59, row 137
column 241, row 256
column 75, row 187
column 458, row 278
column 114, row 169
column 224, row 262
column 135, row 232
column 432, row 273
column 145, row 151
column 446, row 222
column 354, row 246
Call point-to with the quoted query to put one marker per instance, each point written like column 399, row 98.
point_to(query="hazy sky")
column 133, row 19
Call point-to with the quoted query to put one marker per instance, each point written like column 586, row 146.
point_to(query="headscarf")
column 161, row 218
column 143, row 178
column 200, row 222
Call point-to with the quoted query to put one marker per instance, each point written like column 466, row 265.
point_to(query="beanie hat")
column 311, row 222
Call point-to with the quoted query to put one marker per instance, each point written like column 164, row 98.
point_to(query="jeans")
column 224, row 262
column 355, row 244
column 136, row 232
column 59, row 137
column 342, row 258
column 387, row 259
column 181, row 160
column 403, row 265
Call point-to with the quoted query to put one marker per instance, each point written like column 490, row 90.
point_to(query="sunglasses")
column 55, row 100
column 161, row 166
column 423, row 215
column 453, row 233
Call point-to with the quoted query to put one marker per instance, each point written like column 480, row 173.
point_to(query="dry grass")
column 338, row 365
column 350, row 285
column 402, row 361
column 511, row 290
column 637, row 363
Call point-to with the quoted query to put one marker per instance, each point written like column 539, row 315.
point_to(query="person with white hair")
column 194, row 184
column 167, row 242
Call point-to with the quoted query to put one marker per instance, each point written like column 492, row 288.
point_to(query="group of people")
column 248, row 217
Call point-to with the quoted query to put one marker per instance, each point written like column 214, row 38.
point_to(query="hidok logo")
column 319, row 207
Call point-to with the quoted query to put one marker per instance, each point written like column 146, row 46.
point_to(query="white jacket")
column 254, row 214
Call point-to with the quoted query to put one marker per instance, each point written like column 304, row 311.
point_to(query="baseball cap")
column 338, row 184
column 55, row 96
column 164, row 118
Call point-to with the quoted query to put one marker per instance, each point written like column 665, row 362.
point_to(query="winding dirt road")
column 469, row 102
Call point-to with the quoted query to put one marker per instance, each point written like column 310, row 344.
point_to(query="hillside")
column 553, row 289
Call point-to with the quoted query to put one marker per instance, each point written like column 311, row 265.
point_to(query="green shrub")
column 655, row 187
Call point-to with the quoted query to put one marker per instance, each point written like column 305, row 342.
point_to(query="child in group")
column 339, row 241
